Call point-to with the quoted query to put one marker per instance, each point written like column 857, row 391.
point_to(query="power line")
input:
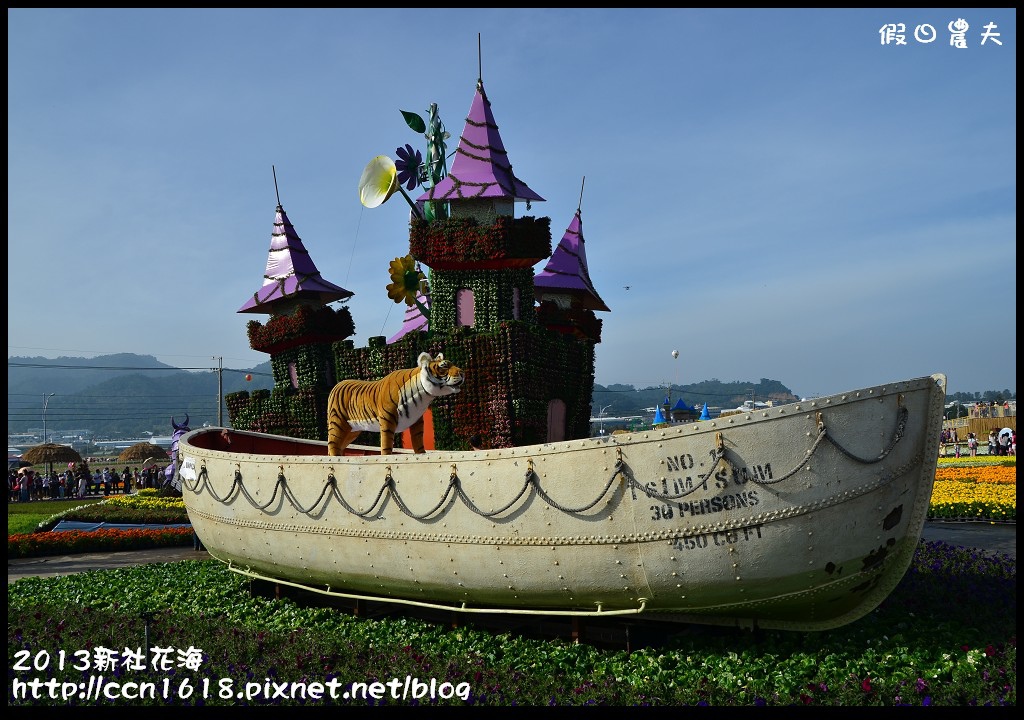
column 132, row 368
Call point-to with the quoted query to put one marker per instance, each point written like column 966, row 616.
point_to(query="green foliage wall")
column 300, row 413
column 512, row 373
column 312, row 365
column 493, row 296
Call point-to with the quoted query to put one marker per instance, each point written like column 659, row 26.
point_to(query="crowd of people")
column 1003, row 443
column 1000, row 442
column 992, row 409
column 26, row 485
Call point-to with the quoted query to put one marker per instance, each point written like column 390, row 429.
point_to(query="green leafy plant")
column 946, row 636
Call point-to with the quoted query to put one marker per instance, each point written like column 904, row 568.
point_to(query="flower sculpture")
column 410, row 167
column 435, row 169
column 407, row 280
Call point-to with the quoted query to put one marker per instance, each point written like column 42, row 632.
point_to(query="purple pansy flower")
column 408, row 164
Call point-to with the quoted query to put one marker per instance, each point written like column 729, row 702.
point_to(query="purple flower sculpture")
column 409, row 165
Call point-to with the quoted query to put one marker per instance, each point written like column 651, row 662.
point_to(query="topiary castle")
column 525, row 340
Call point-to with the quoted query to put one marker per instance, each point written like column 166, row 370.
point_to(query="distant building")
column 748, row 406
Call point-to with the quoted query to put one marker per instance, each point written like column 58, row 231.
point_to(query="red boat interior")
column 241, row 442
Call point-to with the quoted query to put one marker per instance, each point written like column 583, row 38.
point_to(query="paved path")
column 997, row 538
column 990, row 537
column 55, row 565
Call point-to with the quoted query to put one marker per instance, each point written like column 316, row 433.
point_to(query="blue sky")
column 784, row 196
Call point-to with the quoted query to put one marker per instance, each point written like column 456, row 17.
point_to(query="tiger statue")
column 390, row 405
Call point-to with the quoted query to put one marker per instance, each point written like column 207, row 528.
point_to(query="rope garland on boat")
column 454, row 489
column 530, row 480
column 902, row 415
column 718, row 455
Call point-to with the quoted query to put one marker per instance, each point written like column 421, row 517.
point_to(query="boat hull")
column 799, row 517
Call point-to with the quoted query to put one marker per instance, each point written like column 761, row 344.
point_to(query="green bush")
column 946, row 636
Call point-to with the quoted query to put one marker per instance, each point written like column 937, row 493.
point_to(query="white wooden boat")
column 800, row 517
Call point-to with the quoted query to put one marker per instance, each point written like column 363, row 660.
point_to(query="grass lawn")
column 24, row 517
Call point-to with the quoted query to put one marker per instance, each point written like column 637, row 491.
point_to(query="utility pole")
column 46, row 401
column 220, row 390
column 601, row 415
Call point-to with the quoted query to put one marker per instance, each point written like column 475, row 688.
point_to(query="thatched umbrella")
column 51, row 453
column 143, row 452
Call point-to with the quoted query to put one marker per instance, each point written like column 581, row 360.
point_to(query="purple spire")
column 291, row 274
column 414, row 319
column 567, row 271
column 481, row 168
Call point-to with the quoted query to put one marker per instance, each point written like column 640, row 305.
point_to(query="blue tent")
column 704, row 413
column 680, row 405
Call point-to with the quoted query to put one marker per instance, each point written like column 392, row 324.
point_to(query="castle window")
column 293, row 373
column 556, row 420
column 465, row 308
column 515, row 303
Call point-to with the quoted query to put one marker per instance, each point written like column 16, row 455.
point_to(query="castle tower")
column 481, row 258
column 297, row 336
column 291, row 278
column 566, row 295
column 526, row 383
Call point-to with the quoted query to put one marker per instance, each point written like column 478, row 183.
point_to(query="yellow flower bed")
column 975, row 488
column 951, row 491
column 979, row 460
column 147, row 502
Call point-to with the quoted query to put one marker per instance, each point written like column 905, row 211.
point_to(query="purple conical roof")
column 567, row 271
column 291, row 274
column 414, row 319
column 481, row 168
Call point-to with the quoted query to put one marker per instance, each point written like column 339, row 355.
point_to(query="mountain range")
column 121, row 395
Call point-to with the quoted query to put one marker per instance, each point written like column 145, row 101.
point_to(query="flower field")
column 147, row 507
column 78, row 541
column 975, row 488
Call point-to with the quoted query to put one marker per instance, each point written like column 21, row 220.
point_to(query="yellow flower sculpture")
column 406, row 281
